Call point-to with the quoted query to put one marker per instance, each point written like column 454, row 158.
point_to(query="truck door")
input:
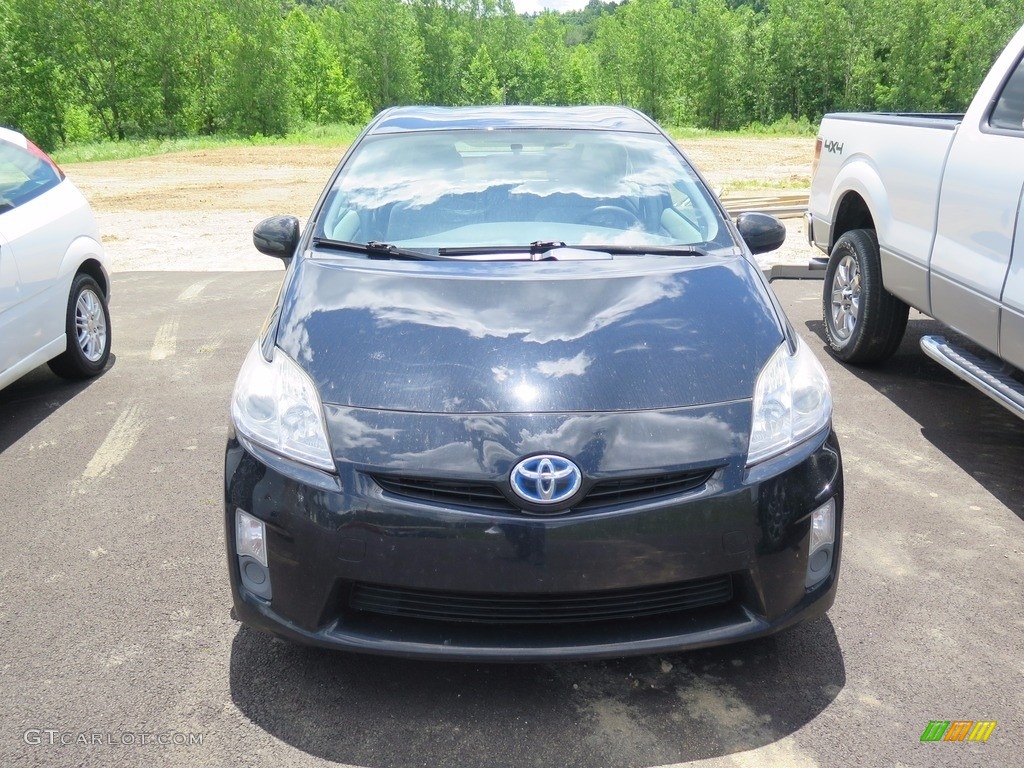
column 1008, row 115
column 979, row 211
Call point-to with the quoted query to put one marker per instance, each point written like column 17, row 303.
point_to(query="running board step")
column 987, row 375
column 815, row 270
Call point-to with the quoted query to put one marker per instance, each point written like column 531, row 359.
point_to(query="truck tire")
column 864, row 323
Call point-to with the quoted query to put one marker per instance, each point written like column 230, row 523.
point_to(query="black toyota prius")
column 526, row 395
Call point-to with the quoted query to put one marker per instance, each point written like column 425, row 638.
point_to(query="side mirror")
column 762, row 233
column 277, row 236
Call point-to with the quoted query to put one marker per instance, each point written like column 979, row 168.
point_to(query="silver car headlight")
column 792, row 401
column 276, row 405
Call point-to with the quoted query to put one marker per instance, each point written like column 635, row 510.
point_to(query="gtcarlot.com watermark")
column 54, row 737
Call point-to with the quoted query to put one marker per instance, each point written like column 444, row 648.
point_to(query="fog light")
column 823, row 525
column 251, row 546
column 250, row 537
column 823, row 537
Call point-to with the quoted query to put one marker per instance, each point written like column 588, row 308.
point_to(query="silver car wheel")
column 91, row 325
column 845, row 297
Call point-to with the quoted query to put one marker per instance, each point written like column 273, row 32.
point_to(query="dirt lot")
column 196, row 210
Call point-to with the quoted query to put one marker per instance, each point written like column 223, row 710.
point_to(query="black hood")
column 634, row 333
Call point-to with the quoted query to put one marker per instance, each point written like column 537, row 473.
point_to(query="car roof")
column 12, row 137
column 407, row 119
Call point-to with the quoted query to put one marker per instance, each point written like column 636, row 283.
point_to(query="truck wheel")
column 88, row 331
column 864, row 323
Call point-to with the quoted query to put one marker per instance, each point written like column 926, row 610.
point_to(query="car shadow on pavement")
column 25, row 403
column 976, row 433
column 637, row 712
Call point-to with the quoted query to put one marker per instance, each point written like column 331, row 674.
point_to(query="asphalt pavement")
column 117, row 647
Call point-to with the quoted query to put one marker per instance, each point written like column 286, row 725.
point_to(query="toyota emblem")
column 546, row 479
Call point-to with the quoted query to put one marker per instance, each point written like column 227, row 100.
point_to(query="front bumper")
column 818, row 232
column 354, row 567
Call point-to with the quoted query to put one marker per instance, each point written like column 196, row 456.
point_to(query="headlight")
column 276, row 405
column 792, row 401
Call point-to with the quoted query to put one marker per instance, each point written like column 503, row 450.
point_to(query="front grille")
column 541, row 609
column 483, row 495
column 636, row 489
column 457, row 492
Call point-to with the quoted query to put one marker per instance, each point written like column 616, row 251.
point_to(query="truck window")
column 1009, row 111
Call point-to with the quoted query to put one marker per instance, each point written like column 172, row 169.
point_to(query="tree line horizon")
column 77, row 71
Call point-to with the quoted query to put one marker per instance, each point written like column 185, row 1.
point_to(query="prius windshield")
column 467, row 189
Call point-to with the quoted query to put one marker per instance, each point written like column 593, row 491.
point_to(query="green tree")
column 977, row 32
column 505, row 33
column 252, row 79
column 643, row 50
column 918, row 53
column 387, row 52
column 109, row 51
column 710, row 67
column 807, row 49
column 444, row 29
column 35, row 89
column 480, row 83
column 174, row 44
column 319, row 88
column 7, row 19
column 201, row 58
column 579, row 76
column 77, row 69
column 550, row 55
column 611, row 48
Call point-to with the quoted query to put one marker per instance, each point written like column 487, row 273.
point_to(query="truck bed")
column 939, row 120
column 894, row 163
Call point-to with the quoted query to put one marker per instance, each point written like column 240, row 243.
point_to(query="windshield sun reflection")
column 476, row 188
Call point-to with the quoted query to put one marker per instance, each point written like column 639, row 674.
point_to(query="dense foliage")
column 77, row 70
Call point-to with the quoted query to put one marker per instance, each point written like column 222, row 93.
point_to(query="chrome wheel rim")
column 90, row 326
column 845, row 297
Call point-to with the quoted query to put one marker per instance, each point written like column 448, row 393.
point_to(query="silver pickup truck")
column 927, row 211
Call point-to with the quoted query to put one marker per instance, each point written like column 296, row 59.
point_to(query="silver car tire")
column 87, row 325
column 864, row 323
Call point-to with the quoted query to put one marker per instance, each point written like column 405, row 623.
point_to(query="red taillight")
column 37, row 152
column 817, row 156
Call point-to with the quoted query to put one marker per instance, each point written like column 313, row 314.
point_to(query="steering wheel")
column 613, row 216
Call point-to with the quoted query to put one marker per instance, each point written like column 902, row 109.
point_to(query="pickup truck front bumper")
column 818, row 232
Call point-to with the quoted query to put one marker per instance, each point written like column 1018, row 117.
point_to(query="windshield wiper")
column 549, row 248
column 534, row 249
column 539, row 250
column 376, row 250
column 647, row 250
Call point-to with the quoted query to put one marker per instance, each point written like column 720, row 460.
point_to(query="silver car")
column 54, row 286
